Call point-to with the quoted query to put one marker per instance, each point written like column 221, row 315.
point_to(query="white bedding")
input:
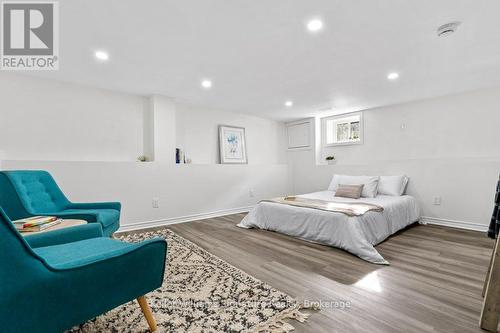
column 358, row 235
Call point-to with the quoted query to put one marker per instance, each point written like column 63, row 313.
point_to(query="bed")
column 357, row 235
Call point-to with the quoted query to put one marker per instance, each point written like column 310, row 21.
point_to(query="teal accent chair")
column 50, row 282
column 31, row 192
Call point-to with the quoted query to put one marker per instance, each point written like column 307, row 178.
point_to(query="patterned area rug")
column 201, row 293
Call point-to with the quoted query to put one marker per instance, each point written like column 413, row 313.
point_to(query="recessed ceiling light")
column 102, row 55
column 207, row 84
column 288, row 104
column 315, row 25
column 393, row 76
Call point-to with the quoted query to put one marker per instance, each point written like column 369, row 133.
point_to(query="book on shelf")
column 40, row 227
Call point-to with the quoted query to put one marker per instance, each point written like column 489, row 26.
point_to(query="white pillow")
column 370, row 184
column 392, row 185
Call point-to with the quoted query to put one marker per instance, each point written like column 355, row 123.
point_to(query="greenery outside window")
column 343, row 129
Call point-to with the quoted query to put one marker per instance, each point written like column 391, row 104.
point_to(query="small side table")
column 64, row 224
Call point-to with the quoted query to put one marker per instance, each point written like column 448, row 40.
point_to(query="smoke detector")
column 447, row 29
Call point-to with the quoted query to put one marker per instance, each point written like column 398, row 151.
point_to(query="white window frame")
column 338, row 117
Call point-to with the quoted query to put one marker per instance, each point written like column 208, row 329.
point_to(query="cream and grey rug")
column 202, row 293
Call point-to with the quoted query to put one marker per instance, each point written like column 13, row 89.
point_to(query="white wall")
column 48, row 120
column 164, row 129
column 89, row 140
column 44, row 119
column 183, row 190
column 449, row 148
column 90, row 137
column 197, row 134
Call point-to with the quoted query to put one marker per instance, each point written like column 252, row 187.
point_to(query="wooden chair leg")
column 490, row 311
column 143, row 303
column 489, row 269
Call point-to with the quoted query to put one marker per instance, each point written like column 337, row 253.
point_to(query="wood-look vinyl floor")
column 433, row 284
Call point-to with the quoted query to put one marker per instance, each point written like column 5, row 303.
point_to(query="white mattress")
column 358, row 235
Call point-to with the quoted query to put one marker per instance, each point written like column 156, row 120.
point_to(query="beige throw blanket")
column 347, row 208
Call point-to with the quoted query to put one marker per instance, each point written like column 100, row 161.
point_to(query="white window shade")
column 299, row 134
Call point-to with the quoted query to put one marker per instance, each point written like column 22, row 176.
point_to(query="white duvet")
column 358, row 235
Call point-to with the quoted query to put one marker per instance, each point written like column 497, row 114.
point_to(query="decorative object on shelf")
column 330, row 159
column 180, row 156
column 232, row 145
column 142, row 158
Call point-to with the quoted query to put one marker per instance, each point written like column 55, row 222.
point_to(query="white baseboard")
column 182, row 219
column 454, row 223
column 189, row 218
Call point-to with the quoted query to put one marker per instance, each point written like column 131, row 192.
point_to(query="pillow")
column 392, row 185
column 349, row 191
column 370, row 184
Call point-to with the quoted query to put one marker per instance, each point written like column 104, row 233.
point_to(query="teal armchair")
column 50, row 282
column 31, row 192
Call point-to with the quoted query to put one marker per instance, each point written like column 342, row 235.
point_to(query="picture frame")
column 232, row 145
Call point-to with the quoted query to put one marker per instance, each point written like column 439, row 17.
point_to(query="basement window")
column 343, row 129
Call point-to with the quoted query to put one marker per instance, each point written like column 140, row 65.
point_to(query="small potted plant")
column 142, row 158
column 330, row 159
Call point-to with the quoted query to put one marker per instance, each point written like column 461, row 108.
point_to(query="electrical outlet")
column 156, row 202
column 437, row 201
column 250, row 193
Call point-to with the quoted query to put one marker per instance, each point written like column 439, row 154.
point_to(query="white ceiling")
column 259, row 54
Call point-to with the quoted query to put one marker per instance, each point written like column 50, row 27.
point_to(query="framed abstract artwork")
column 232, row 145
